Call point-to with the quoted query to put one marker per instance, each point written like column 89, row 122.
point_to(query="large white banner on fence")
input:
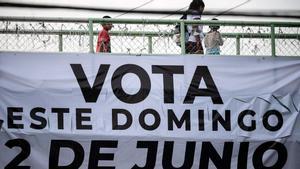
column 63, row 111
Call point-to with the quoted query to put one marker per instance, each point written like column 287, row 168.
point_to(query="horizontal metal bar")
column 151, row 34
column 42, row 19
column 82, row 32
column 224, row 23
column 244, row 23
column 150, row 21
column 261, row 35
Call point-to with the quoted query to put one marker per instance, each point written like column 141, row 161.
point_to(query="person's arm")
column 220, row 39
column 206, row 40
column 197, row 31
column 198, row 40
column 98, row 43
column 103, row 47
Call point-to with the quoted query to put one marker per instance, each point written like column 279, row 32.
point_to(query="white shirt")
column 198, row 31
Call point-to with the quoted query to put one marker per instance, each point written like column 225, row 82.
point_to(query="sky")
column 211, row 5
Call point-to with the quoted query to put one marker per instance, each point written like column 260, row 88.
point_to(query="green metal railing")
column 272, row 34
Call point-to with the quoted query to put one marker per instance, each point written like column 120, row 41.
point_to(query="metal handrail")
column 90, row 21
column 151, row 21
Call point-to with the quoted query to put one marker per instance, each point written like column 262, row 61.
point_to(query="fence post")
column 238, row 45
column 182, row 37
column 273, row 47
column 91, row 36
column 60, row 42
column 150, row 47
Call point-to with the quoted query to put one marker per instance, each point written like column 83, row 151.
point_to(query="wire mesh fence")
column 144, row 36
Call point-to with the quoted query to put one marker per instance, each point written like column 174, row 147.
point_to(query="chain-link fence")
column 144, row 36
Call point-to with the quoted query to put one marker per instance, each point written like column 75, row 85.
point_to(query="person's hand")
column 199, row 52
column 198, row 44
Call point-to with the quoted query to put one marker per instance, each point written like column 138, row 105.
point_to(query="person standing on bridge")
column 194, row 44
column 213, row 40
column 103, row 42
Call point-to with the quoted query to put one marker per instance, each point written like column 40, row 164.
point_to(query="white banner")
column 87, row 111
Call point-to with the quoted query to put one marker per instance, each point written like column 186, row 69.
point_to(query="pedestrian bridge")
column 143, row 37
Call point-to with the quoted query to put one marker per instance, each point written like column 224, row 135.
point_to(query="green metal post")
column 182, row 37
column 238, row 45
column 91, row 36
column 273, row 47
column 150, row 47
column 60, row 42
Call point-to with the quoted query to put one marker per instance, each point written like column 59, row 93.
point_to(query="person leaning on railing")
column 103, row 42
column 194, row 44
column 213, row 40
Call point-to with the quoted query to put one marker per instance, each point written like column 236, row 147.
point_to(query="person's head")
column 214, row 28
column 197, row 5
column 107, row 25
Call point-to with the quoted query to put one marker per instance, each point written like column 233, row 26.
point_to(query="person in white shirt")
column 194, row 44
column 213, row 40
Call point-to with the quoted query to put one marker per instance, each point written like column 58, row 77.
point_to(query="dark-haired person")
column 103, row 42
column 194, row 12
